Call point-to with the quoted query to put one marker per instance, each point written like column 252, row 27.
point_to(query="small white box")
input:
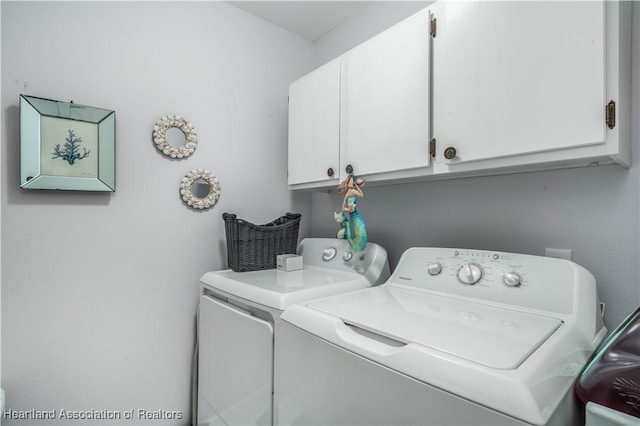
column 289, row 262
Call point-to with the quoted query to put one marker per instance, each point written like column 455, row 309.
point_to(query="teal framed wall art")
column 66, row 146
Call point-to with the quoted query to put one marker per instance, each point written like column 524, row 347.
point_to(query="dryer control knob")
column 434, row 268
column 347, row 256
column 469, row 273
column 512, row 279
column 329, row 253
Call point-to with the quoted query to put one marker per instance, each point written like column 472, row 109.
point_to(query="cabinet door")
column 314, row 126
column 386, row 118
column 514, row 78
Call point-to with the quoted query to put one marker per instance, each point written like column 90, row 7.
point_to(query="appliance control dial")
column 512, row 279
column 347, row 256
column 434, row 268
column 329, row 253
column 469, row 273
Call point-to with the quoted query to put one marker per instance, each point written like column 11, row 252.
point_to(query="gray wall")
column 99, row 291
column 369, row 20
column 593, row 211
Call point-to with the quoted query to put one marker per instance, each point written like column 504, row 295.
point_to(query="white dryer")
column 239, row 315
column 455, row 337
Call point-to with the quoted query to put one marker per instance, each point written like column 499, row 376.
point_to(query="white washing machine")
column 455, row 337
column 240, row 314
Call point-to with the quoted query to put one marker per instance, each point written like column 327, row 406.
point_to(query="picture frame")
column 66, row 146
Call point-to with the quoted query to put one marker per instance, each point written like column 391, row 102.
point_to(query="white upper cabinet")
column 495, row 86
column 314, row 127
column 386, row 101
column 365, row 112
column 524, row 85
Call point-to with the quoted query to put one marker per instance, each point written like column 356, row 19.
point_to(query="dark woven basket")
column 254, row 247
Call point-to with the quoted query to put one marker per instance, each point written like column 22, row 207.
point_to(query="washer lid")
column 484, row 334
column 280, row 289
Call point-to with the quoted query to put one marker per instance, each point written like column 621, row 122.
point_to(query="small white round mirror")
column 200, row 189
column 175, row 137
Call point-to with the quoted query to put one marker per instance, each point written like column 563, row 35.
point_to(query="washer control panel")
column 508, row 278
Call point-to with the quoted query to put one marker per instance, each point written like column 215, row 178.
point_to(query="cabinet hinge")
column 432, row 27
column 610, row 115
column 432, row 148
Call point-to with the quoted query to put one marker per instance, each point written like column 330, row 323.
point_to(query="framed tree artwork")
column 66, row 146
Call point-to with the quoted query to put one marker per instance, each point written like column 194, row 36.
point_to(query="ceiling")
column 308, row 19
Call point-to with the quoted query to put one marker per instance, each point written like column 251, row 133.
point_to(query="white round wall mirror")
column 200, row 189
column 175, row 137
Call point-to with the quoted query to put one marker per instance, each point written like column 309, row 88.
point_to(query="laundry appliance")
column 239, row 315
column 454, row 337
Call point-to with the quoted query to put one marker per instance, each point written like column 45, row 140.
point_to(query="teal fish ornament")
column 352, row 227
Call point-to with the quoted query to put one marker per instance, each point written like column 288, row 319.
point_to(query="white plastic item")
column 289, row 262
column 598, row 415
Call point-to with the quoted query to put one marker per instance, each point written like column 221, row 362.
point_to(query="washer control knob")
column 512, row 279
column 329, row 253
column 434, row 268
column 347, row 256
column 469, row 273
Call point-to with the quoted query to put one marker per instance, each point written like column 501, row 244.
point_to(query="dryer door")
column 235, row 377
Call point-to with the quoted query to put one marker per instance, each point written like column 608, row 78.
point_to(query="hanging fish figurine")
column 352, row 227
